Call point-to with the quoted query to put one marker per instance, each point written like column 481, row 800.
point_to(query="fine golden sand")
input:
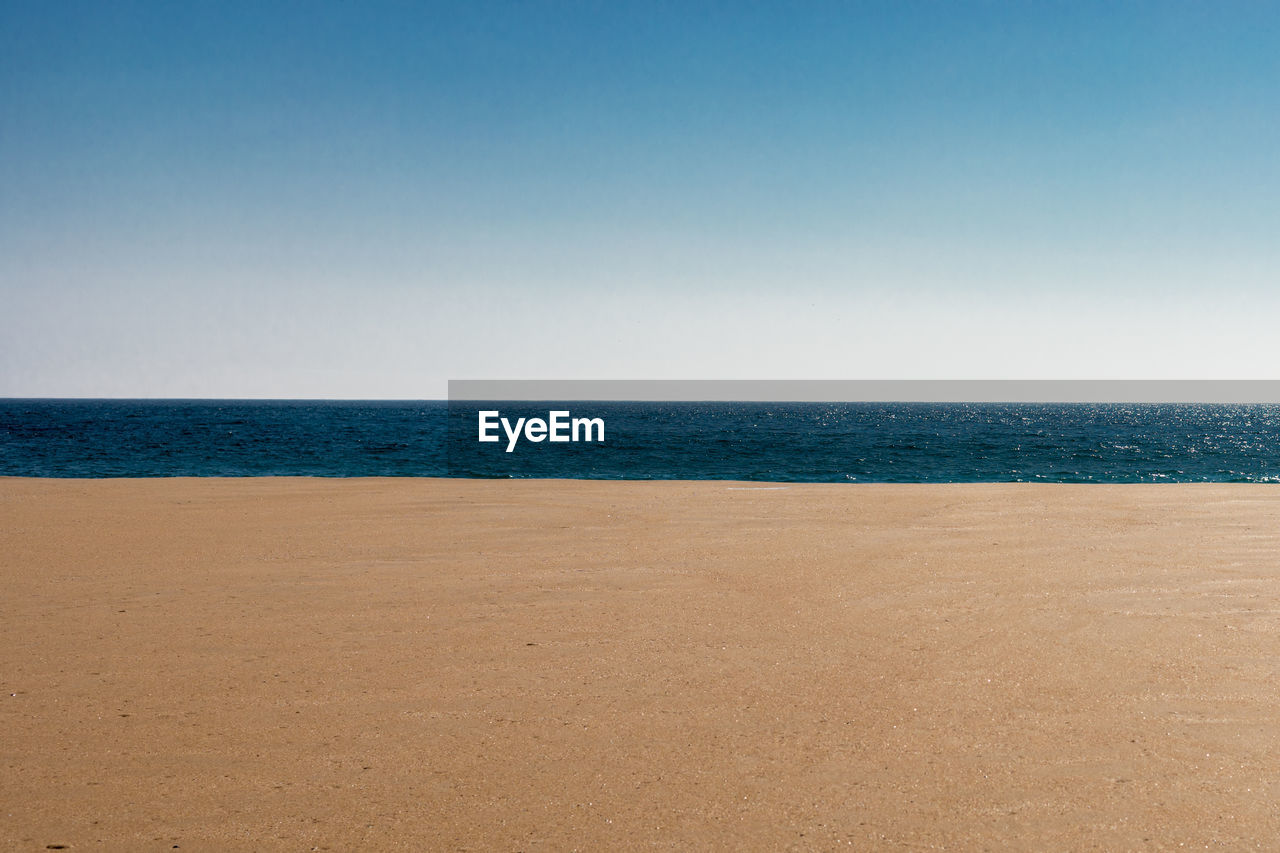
column 379, row 664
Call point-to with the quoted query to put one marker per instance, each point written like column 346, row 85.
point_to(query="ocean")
column 784, row 442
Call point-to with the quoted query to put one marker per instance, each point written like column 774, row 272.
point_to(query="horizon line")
column 1125, row 391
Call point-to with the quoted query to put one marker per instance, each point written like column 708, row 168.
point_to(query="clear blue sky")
column 365, row 200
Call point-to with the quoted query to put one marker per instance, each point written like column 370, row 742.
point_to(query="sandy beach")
column 301, row 664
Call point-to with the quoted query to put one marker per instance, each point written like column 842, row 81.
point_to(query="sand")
column 304, row 664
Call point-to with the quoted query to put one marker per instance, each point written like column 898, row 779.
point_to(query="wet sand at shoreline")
column 283, row 663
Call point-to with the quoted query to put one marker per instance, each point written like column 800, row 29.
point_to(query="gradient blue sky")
column 365, row 200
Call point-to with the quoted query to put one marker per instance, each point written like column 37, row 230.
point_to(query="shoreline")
column 335, row 478
column 284, row 662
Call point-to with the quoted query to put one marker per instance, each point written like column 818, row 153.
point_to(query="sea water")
column 785, row 442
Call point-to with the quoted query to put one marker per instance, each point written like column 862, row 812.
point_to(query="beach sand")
column 494, row 665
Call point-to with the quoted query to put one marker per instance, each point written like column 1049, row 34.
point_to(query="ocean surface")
column 788, row 442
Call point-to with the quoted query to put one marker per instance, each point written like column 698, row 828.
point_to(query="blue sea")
column 787, row 442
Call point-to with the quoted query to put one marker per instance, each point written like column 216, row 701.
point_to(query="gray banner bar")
column 874, row 390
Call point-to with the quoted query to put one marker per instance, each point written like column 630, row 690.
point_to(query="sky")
column 365, row 200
